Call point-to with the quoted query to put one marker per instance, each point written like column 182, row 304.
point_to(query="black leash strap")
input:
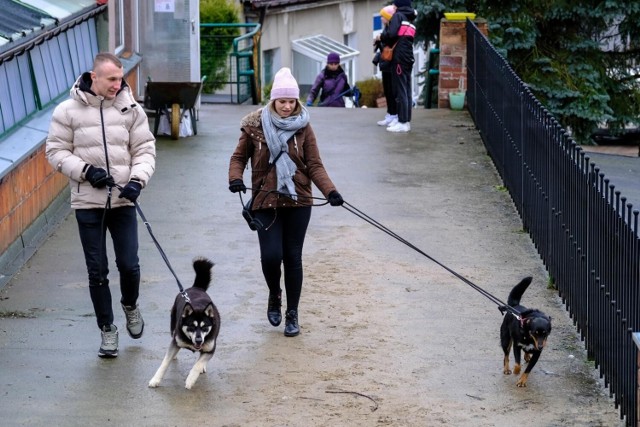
column 108, row 206
column 501, row 305
column 164, row 256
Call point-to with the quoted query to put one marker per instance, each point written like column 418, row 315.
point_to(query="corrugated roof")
column 61, row 9
column 18, row 20
column 278, row 3
column 22, row 21
column 319, row 46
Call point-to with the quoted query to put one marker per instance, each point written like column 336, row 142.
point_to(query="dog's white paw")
column 155, row 382
column 191, row 379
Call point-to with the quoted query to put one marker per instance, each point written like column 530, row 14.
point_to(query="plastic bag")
column 164, row 128
column 186, row 129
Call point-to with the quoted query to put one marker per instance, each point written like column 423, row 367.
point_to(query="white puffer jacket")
column 76, row 138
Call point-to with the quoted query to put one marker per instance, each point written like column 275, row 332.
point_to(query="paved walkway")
column 622, row 166
column 377, row 318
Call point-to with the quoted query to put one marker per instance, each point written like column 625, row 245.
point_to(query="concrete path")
column 622, row 166
column 378, row 320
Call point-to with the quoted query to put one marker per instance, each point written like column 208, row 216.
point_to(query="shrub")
column 266, row 91
column 370, row 91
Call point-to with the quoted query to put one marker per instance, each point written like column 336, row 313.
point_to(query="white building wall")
column 280, row 28
column 347, row 22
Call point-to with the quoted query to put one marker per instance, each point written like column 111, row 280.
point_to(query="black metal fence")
column 583, row 228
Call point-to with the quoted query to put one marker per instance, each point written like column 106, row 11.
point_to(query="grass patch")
column 501, row 188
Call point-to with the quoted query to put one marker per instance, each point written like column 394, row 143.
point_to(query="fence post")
column 636, row 339
column 453, row 58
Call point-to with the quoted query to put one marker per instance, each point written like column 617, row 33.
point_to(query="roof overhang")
column 51, row 18
column 62, row 9
column 290, row 3
column 319, row 46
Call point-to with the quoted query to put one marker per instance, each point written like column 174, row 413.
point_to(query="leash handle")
column 260, row 190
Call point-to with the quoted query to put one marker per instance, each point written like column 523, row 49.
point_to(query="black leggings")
column 401, row 82
column 281, row 242
column 387, row 87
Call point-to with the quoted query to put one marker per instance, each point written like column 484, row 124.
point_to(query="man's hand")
column 131, row 191
column 98, row 177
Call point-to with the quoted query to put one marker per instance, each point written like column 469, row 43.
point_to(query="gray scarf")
column 277, row 131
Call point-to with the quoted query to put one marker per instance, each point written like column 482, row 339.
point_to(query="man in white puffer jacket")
column 100, row 139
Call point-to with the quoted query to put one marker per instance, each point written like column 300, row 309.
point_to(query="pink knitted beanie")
column 284, row 85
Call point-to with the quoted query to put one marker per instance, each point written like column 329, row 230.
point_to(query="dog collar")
column 523, row 321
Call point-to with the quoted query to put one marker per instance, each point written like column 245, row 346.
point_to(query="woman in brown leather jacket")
column 285, row 161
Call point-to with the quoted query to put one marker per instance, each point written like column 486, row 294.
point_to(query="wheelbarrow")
column 173, row 99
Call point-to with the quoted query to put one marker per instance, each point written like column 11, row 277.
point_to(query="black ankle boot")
column 291, row 328
column 273, row 310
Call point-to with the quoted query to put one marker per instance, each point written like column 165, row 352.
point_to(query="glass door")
column 169, row 40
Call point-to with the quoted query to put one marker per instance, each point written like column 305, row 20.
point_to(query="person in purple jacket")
column 331, row 84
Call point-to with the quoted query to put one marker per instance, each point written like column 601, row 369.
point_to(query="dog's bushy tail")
column 518, row 290
column 202, row 266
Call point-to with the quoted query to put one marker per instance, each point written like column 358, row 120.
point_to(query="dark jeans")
column 281, row 242
column 122, row 224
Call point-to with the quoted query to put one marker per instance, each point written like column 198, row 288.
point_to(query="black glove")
column 131, row 191
column 335, row 199
column 237, row 186
column 98, row 177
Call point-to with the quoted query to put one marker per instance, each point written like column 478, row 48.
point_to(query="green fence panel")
column 230, row 59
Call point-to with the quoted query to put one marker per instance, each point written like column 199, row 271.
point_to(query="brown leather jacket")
column 303, row 150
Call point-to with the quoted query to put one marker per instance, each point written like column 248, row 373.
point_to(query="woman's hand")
column 335, row 199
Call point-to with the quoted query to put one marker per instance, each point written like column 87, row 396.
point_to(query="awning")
column 318, row 47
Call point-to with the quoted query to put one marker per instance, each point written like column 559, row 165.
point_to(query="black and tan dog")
column 195, row 323
column 528, row 332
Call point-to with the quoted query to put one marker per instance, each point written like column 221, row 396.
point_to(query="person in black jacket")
column 391, row 118
column 400, row 33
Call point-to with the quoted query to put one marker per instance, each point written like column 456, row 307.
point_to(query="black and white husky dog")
column 195, row 323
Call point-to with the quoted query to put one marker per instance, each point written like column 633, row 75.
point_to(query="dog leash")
column 162, row 253
column 502, row 306
column 137, row 205
column 164, row 256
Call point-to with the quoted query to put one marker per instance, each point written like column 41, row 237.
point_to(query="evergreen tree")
column 581, row 58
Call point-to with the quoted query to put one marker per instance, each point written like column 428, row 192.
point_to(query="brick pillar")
column 453, row 58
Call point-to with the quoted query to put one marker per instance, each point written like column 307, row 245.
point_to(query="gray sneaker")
column 135, row 324
column 109, row 346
